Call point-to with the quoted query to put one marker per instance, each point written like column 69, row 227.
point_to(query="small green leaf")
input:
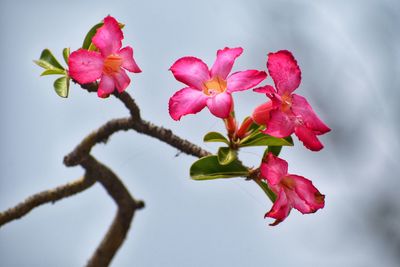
column 226, row 155
column 88, row 38
column 208, row 168
column 48, row 61
column 274, row 150
column 255, row 127
column 66, row 52
column 92, row 47
column 61, row 86
column 53, row 72
column 271, row 195
column 215, row 137
column 43, row 64
column 260, row 139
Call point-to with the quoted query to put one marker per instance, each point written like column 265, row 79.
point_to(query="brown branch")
column 96, row 171
column 134, row 122
column 130, row 104
column 167, row 136
column 81, row 156
column 44, row 197
column 100, row 135
column 126, row 209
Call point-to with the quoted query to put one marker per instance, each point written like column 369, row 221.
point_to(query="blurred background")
column 349, row 54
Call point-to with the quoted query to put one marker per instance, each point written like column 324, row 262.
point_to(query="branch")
column 168, row 137
column 96, row 171
column 44, row 197
column 135, row 122
column 125, row 98
column 100, row 135
column 126, row 209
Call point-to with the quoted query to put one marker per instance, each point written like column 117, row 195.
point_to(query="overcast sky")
column 349, row 53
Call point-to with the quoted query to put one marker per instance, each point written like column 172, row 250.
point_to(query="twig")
column 44, row 197
column 100, row 135
column 167, row 136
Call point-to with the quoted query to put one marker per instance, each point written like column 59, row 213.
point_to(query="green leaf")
column 271, row 195
column 274, row 150
column 226, row 155
column 215, row 137
column 66, row 52
column 255, row 127
column 53, row 72
column 260, row 139
column 208, row 168
column 48, row 61
column 43, row 64
column 61, row 86
column 87, row 42
column 92, row 47
column 88, row 38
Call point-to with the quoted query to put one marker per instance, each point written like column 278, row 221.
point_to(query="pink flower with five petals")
column 288, row 112
column 292, row 191
column 108, row 65
column 211, row 88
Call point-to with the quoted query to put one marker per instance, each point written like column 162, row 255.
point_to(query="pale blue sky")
column 349, row 53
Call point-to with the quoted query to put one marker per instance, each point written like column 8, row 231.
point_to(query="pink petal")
column 121, row 80
column 302, row 108
column 186, row 101
column 85, row 66
column 273, row 169
column 220, row 105
column 305, row 198
column 106, row 86
column 244, row 80
column 128, row 62
column 191, row 71
column 308, row 137
column 281, row 208
column 276, row 101
column 108, row 37
column 280, row 124
column 267, row 89
column 224, row 62
column 261, row 113
column 285, row 72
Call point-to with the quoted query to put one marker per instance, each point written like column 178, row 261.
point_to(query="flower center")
column 112, row 64
column 288, row 183
column 214, row 86
column 286, row 102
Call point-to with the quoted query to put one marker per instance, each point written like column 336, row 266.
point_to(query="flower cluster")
column 102, row 63
column 270, row 124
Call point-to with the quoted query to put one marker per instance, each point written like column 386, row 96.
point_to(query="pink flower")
column 211, row 88
column 290, row 112
column 108, row 65
column 292, row 191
